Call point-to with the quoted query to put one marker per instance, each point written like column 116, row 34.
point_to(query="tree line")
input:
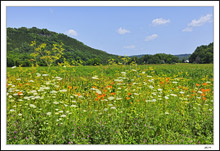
column 20, row 48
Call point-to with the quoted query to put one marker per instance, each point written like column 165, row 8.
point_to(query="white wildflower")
column 95, row 77
column 53, row 92
column 118, row 80
column 151, row 87
column 49, row 113
column 113, row 107
column 136, row 94
column 173, row 94
column 13, row 67
column 63, row 115
column 64, row 90
column 111, row 98
column 98, row 91
column 154, row 100
column 44, row 75
column 123, row 73
column 55, row 102
column 32, row 105
column 38, row 74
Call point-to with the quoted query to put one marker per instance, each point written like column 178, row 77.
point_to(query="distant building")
column 186, row 61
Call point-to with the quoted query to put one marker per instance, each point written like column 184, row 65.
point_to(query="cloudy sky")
column 123, row 30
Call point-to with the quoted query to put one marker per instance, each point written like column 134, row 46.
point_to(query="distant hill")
column 180, row 56
column 19, row 49
column 183, row 56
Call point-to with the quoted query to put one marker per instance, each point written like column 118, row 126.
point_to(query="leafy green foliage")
column 202, row 54
column 19, row 49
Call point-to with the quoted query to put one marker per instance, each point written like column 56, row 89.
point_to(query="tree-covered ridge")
column 202, row 54
column 19, row 49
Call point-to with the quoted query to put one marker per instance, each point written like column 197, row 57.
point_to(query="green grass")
column 144, row 104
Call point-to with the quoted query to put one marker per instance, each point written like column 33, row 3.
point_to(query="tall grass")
column 117, row 104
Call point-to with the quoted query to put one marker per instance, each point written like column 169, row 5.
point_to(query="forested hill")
column 180, row 56
column 19, row 49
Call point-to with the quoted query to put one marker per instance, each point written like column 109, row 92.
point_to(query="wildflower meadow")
column 111, row 104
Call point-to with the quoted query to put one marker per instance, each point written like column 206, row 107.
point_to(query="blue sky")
column 123, row 30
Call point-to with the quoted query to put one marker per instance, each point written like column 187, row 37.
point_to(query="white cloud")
column 187, row 29
column 199, row 22
column 130, row 47
column 160, row 21
column 202, row 20
column 122, row 31
column 72, row 32
column 151, row 37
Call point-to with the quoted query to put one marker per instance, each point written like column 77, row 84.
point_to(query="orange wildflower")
column 167, row 79
column 19, row 93
column 129, row 93
column 78, row 94
column 203, row 90
column 204, row 98
column 112, row 93
column 127, row 98
column 69, row 87
column 208, row 90
column 161, row 82
column 93, row 87
column 204, row 84
column 110, row 86
column 203, row 94
column 197, row 84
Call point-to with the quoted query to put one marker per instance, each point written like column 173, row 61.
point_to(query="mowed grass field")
column 118, row 104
